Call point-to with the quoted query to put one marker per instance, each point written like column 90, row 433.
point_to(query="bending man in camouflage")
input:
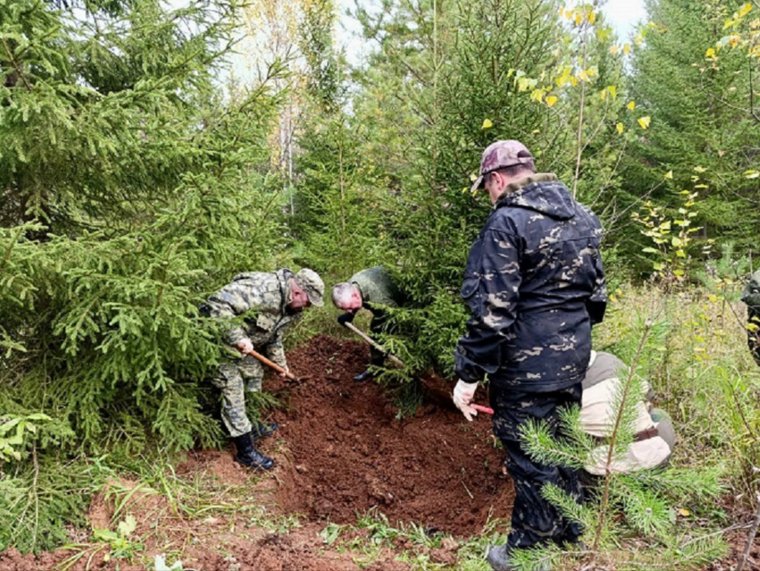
column 751, row 296
column 534, row 284
column 370, row 289
column 268, row 303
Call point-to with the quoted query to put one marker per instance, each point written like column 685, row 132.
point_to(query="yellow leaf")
column 745, row 9
column 612, row 90
column 592, row 16
column 639, row 39
column 620, row 128
column 669, row 175
column 626, row 48
column 631, row 105
column 582, row 75
column 751, row 174
column 699, row 169
column 487, row 124
column 683, row 512
column 710, row 53
column 614, row 50
column 537, row 95
column 578, row 18
column 644, row 121
column 551, row 100
column 712, row 298
column 473, row 177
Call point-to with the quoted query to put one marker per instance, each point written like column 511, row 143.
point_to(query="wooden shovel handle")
column 272, row 364
column 392, row 358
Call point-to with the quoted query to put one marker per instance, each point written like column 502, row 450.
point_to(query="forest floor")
column 355, row 487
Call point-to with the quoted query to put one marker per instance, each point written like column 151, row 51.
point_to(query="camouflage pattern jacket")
column 261, row 299
column 376, row 287
column 534, row 284
column 751, row 293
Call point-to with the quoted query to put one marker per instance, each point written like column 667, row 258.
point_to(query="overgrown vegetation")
column 133, row 182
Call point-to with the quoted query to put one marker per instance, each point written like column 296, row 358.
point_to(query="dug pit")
column 346, row 451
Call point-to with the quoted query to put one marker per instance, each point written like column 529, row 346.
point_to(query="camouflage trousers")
column 233, row 378
column 535, row 521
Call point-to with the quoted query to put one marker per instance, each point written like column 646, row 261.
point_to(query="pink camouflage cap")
column 499, row 155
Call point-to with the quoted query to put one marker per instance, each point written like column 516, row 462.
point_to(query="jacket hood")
column 541, row 192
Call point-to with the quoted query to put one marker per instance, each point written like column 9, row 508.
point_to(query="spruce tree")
column 132, row 191
column 700, row 100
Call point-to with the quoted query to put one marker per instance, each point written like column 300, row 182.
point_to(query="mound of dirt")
column 349, row 453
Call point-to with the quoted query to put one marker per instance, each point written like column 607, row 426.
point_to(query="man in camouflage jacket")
column 751, row 296
column 372, row 289
column 268, row 304
column 534, row 284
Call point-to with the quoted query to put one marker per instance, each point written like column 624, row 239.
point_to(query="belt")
column 646, row 434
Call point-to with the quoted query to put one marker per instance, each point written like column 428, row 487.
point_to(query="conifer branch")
column 16, row 65
column 616, row 432
column 751, row 536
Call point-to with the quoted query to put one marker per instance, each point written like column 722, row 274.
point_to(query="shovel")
column 392, row 358
column 269, row 363
column 481, row 408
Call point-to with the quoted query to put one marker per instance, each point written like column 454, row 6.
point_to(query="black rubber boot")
column 248, row 456
column 363, row 376
column 263, row 429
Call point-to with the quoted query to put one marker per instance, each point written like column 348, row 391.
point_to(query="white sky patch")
column 624, row 15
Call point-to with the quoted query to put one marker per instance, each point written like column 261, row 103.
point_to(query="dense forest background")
column 140, row 170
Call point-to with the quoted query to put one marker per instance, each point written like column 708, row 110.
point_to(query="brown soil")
column 341, row 451
column 351, row 453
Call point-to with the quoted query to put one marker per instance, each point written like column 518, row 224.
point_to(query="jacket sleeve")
column 597, row 303
column 491, row 289
column 226, row 304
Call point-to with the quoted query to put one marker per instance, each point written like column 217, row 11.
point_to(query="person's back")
column 377, row 287
column 552, row 243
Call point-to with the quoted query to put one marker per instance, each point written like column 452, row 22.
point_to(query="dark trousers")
column 377, row 325
column 535, row 521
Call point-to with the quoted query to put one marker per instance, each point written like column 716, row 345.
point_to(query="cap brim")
column 477, row 185
column 316, row 301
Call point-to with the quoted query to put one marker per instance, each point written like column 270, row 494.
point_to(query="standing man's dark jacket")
column 534, row 284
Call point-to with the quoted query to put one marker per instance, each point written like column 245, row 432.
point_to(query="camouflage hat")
column 501, row 154
column 313, row 285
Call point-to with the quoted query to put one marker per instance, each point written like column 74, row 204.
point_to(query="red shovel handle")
column 481, row 408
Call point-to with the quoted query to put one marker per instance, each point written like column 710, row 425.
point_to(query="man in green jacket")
column 372, row 289
column 269, row 303
column 751, row 296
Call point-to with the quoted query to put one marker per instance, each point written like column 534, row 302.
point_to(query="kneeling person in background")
column 368, row 289
column 654, row 435
column 269, row 302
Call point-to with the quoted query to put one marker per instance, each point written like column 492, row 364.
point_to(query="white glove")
column 463, row 395
column 244, row 345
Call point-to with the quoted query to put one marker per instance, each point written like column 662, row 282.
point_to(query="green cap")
column 312, row 285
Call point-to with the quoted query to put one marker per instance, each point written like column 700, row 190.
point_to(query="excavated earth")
column 341, row 451
column 351, row 453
